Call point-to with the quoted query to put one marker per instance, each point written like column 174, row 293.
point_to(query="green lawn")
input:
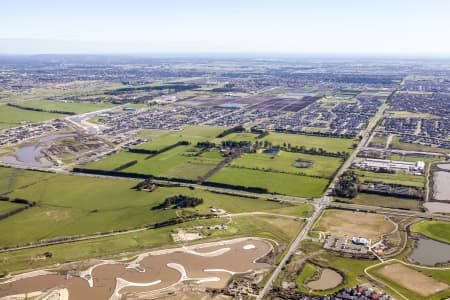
column 308, row 271
column 328, row 144
column 397, row 178
column 438, row 230
column 323, row 166
column 72, row 205
column 13, row 117
column 280, row 183
column 77, row 108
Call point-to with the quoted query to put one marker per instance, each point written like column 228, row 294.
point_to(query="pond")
column 429, row 252
column 329, row 279
column 31, row 155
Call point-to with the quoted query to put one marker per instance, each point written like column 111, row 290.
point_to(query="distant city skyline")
column 383, row 27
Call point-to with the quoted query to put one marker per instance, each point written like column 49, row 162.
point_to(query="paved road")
column 323, row 202
column 290, row 252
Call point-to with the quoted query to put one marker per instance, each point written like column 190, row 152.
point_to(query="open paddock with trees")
column 101, row 205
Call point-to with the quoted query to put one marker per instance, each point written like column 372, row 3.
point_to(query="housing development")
column 135, row 177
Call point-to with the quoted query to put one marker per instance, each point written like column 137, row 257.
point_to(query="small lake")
column 329, row 279
column 441, row 188
column 31, row 155
column 429, row 252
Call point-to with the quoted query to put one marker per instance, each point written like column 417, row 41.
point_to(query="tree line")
column 53, row 111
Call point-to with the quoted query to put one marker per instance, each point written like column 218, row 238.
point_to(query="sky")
column 405, row 27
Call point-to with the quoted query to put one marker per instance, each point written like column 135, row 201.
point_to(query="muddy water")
column 441, row 185
column 328, row 279
column 444, row 166
column 31, row 155
column 430, row 252
column 237, row 259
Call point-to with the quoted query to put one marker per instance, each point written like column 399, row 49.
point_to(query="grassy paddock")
column 75, row 107
column 384, row 201
column 397, row 178
column 13, row 117
column 302, row 186
column 327, row 143
column 284, row 162
column 73, row 205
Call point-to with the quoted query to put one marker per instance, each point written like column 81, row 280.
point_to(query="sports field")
column 411, row 279
column 351, row 224
column 13, row 117
column 281, row 183
column 75, row 107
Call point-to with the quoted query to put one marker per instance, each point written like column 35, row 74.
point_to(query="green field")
column 438, row 230
column 414, row 158
column 326, row 143
column 396, row 144
column 164, row 138
column 397, row 178
column 308, row 271
column 383, row 201
column 323, row 166
column 78, row 108
column 6, row 206
column 178, row 162
column 72, row 205
column 289, row 184
column 13, row 117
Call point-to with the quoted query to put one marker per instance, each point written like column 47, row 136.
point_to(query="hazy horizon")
column 324, row 27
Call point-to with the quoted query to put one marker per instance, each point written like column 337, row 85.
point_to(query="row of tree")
column 41, row 110
column 228, row 131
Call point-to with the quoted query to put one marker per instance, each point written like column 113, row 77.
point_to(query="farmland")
column 75, row 107
column 383, row 201
column 101, row 206
column 326, row 143
column 276, row 173
column 12, row 117
column 284, row 162
column 280, row 183
column 397, row 178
